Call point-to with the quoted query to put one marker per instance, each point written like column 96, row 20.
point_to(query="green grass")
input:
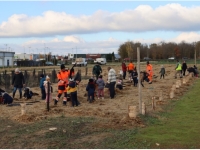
column 178, row 127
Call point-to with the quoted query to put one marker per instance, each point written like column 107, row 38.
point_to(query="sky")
column 84, row 27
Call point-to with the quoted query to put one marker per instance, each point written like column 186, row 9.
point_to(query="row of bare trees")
column 161, row 50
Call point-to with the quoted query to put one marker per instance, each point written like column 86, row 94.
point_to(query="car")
column 127, row 59
column 185, row 58
column 171, row 58
column 48, row 63
column 146, row 58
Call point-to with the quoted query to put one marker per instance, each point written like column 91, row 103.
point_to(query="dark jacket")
column 97, row 70
column 184, row 66
column 162, row 71
column 18, row 80
column 42, row 83
column 124, row 68
column 7, row 99
column 90, row 88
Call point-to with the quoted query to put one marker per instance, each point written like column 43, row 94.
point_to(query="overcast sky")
column 63, row 27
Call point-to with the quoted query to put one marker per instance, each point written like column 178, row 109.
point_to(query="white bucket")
column 132, row 111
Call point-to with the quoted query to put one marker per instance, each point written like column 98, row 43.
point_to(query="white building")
column 24, row 56
column 6, row 58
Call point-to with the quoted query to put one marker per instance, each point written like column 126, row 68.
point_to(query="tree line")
column 160, row 50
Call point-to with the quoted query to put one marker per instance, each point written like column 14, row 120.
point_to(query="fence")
column 32, row 78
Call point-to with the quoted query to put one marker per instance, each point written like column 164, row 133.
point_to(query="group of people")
column 68, row 81
column 133, row 74
column 182, row 68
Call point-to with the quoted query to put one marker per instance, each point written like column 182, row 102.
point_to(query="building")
column 6, row 58
column 24, row 56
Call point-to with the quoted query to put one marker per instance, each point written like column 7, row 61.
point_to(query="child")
column 162, row 72
column 90, row 89
column 135, row 77
column 119, row 84
column 48, row 90
column 42, row 79
column 72, row 89
column 100, row 83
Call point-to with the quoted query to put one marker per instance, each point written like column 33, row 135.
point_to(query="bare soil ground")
column 114, row 112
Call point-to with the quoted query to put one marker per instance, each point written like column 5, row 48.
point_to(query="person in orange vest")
column 63, row 76
column 149, row 70
column 130, row 69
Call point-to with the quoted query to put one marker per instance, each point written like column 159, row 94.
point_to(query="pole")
column 139, row 85
column 48, row 94
column 195, row 56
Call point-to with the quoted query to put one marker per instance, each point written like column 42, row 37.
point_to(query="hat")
column 62, row 66
column 91, row 80
column 47, row 77
column 42, row 76
column 17, row 70
column 71, row 79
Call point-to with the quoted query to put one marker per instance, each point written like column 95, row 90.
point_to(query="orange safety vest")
column 149, row 69
column 63, row 78
column 131, row 66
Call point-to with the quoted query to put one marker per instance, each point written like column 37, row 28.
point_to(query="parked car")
column 80, row 62
column 48, row 63
column 101, row 61
column 146, row 58
column 185, row 58
column 171, row 58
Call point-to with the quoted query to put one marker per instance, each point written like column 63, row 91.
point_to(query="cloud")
column 170, row 17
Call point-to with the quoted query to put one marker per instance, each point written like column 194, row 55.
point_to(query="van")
column 101, row 61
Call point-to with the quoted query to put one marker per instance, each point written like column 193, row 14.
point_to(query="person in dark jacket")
column 162, row 72
column 135, row 77
column 100, row 83
column 42, row 79
column 18, row 82
column 90, row 89
column 184, row 67
column 124, row 69
column 97, row 70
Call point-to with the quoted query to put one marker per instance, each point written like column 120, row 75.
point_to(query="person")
column 72, row 90
column 184, row 67
column 48, row 89
column 111, row 81
column 149, row 70
column 100, row 84
column 178, row 69
column 62, row 76
column 162, row 72
column 18, row 82
column 124, row 69
column 119, row 84
column 196, row 71
column 43, row 93
column 90, row 88
column 97, row 70
column 135, row 77
column 130, row 69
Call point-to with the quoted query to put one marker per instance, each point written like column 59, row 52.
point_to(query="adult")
column 111, row 81
column 97, row 70
column 178, row 69
column 184, row 67
column 42, row 79
column 124, row 69
column 18, row 82
column 130, row 67
column 149, row 70
column 63, row 76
